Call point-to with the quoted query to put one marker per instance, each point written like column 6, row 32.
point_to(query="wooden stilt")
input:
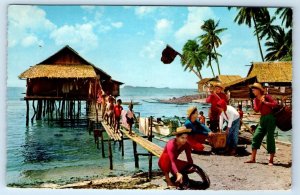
column 35, row 111
column 102, row 144
column 27, row 113
column 122, row 145
column 110, row 155
column 150, row 155
column 136, row 157
column 40, row 109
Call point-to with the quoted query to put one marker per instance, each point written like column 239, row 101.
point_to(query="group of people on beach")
column 111, row 111
column 193, row 134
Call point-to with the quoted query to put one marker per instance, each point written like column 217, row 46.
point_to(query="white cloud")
column 153, row 49
column 25, row 21
column 191, row 28
column 117, row 24
column 81, row 35
column 144, row 10
column 163, row 27
column 31, row 40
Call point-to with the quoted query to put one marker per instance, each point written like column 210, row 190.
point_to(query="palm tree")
column 246, row 15
column 286, row 14
column 211, row 40
column 281, row 46
column 265, row 28
column 193, row 58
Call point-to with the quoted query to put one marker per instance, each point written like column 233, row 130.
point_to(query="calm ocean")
column 46, row 152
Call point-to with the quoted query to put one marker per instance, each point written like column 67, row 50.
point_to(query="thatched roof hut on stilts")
column 66, row 79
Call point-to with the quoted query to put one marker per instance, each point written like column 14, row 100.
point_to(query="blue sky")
column 126, row 42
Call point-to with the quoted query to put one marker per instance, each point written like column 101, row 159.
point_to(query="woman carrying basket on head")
column 263, row 104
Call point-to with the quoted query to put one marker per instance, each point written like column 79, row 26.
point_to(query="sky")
column 125, row 41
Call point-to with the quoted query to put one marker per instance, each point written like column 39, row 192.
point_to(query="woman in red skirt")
column 169, row 162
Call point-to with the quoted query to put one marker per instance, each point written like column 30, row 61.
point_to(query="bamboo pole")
column 27, row 113
column 110, row 155
column 136, row 157
column 102, row 145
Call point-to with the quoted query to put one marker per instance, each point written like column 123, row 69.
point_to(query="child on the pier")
column 103, row 106
column 117, row 112
column 201, row 118
column 109, row 110
column 130, row 116
column 169, row 162
column 199, row 132
column 232, row 117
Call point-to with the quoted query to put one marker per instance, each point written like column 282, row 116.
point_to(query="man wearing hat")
column 263, row 104
column 213, row 98
column 169, row 162
column 199, row 131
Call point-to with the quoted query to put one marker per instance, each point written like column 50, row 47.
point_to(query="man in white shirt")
column 231, row 115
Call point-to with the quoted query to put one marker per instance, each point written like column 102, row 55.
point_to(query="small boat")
column 134, row 103
column 157, row 127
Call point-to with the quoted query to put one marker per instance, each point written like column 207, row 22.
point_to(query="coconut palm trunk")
column 217, row 61
column 258, row 40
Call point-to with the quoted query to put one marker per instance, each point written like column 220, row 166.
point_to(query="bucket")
column 218, row 140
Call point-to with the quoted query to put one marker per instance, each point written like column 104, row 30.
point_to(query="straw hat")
column 257, row 86
column 190, row 110
column 181, row 130
column 218, row 85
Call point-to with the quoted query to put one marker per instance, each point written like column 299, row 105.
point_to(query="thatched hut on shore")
column 204, row 83
column 276, row 77
column 66, row 76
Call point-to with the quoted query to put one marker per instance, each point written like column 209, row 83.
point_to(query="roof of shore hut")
column 239, row 81
column 271, row 72
column 223, row 78
column 66, row 63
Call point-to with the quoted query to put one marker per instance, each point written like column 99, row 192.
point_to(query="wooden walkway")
column 146, row 144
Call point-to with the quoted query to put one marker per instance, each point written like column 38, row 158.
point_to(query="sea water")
column 45, row 152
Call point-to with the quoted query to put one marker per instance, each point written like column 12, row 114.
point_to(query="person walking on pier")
column 263, row 104
column 117, row 111
column 130, row 116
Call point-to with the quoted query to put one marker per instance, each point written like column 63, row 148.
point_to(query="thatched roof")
column 59, row 71
column 271, row 72
column 203, row 81
column 240, row 81
column 223, row 78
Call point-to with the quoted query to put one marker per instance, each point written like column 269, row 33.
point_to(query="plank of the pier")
column 146, row 144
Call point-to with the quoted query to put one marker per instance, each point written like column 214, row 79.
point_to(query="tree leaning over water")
column 193, row 58
column 210, row 40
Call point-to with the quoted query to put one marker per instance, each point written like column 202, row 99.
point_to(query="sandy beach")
column 225, row 173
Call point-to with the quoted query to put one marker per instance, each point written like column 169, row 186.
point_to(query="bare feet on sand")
column 250, row 161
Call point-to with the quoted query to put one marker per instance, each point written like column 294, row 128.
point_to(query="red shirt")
column 266, row 107
column 241, row 114
column 173, row 153
column 118, row 110
column 202, row 119
column 213, row 99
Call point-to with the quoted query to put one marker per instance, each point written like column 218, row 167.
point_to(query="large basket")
column 218, row 140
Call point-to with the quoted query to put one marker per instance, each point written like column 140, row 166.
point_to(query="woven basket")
column 218, row 140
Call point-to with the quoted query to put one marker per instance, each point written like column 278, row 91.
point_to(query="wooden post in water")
column 27, row 113
column 102, row 144
column 136, row 157
column 122, row 144
column 150, row 155
column 110, row 155
column 34, row 111
column 39, row 110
